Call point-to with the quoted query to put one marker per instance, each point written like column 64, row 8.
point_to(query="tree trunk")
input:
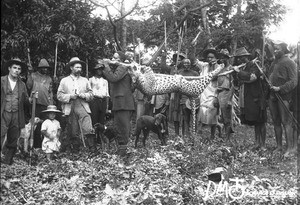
column 123, row 27
column 235, row 37
column 205, row 24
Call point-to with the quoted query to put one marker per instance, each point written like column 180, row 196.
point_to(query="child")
column 51, row 131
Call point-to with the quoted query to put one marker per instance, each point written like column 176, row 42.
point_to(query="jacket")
column 23, row 98
column 69, row 86
column 121, row 93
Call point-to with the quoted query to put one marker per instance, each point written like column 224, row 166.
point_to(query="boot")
column 8, row 159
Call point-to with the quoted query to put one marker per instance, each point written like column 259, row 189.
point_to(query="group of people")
column 81, row 102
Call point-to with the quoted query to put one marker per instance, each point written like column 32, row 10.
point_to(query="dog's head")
column 161, row 119
column 37, row 120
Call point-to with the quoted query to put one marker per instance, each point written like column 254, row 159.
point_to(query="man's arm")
column 115, row 76
column 62, row 92
column 291, row 68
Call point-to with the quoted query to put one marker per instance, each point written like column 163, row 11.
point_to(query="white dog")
column 25, row 134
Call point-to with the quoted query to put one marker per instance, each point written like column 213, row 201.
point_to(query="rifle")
column 278, row 96
column 31, row 137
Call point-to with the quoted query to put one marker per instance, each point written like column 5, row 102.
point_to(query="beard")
column 279, row 54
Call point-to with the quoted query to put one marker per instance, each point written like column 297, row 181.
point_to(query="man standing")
column 122, row 100
column 14, row 99
column 209, row 106
column 75, row 92
column 186, row 112
column 283, row 77
column 99, row 86
column 252, row 97
column 41, row 82
column 225, row 92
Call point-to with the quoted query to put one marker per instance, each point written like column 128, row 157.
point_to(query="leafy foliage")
column 174, row 174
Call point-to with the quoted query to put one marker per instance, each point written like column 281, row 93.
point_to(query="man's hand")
column 275, row 88
column 81, row 95
column 73, row 96
column 253, row 77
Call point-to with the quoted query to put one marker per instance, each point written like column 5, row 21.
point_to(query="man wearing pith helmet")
column 14, row 99
column 225, row 91
column 74, row 92
column 41, row 82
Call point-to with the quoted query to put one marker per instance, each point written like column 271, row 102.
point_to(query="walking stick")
column 55, row 59
column 34, row 97
column 278, row 97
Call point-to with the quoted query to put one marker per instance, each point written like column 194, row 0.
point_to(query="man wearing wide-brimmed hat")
column 100, row 90
column 225, row 92
column 74, row 92
column 209, row 109
column 14, row 99
column 41, row 82
column 284, row 79
column 252, row 96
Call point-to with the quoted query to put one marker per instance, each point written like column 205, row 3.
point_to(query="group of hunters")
column 73, row 104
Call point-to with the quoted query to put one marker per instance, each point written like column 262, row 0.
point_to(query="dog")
column 156, row 124
column 106, row 134
column 23, row 141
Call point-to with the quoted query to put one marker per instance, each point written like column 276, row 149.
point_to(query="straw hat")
column 17, row 61
column 242, row 52
column 51, row 108
column 43, row 63
column 73, row 61
column 210, row 50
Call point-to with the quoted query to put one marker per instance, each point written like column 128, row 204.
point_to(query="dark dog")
column 106, row 134
column 157, row 124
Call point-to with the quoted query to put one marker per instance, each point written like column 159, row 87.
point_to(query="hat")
column 44, row 63
column 122, row 56
column 52, row 108
column 181, row 55
column 225, row 53
column 283, row 45
column 210, row 50
column 73, row 61
column 4, row 70
column 242, row 52
column 99, row 66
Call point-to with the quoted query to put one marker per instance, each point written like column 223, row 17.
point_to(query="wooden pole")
column 87, row 68
column 165, row 28
column 55, row 59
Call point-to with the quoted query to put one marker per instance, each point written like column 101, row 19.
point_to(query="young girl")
column 51, row 131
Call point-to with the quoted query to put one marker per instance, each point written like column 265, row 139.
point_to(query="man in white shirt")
column 74, row 92
column 99, row 87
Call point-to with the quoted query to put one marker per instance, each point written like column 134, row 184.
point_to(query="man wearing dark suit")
column 14, row 98
column 122, row 100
